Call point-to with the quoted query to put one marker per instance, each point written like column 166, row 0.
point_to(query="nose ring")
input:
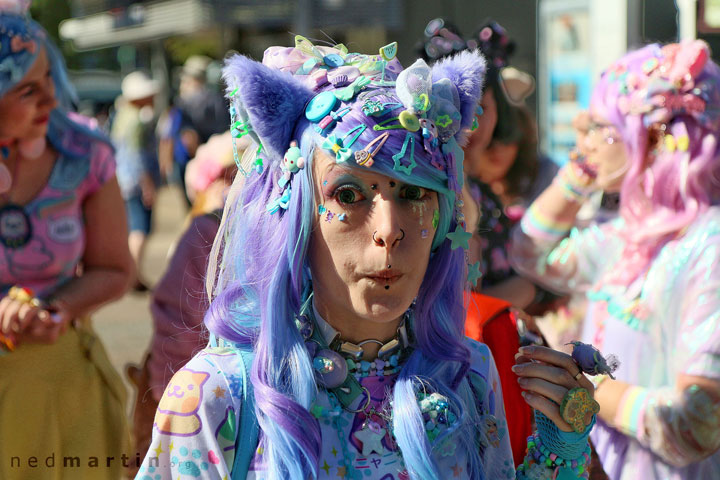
column 378, row 242
column 381, row 242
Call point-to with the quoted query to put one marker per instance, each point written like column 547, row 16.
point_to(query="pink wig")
column 674, row 89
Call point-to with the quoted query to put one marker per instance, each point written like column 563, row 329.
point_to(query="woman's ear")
column 270, row 100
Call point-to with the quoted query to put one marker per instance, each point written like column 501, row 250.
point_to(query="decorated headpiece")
column 20, row 40
column 362, row 109
column 321, row 85
column 673, row 82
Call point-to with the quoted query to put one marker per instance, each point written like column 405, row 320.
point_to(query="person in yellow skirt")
column 63, row 254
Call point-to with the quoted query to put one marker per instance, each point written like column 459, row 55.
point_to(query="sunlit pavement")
column 125, row 326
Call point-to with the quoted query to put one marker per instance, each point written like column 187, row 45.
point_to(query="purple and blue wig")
column 21, row 40
column 261, row 273
column 665, row 103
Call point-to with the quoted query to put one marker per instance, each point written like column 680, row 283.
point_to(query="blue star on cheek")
column 474, row 273
column 459, row 238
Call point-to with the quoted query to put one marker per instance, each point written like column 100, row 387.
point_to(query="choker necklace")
column 332, row 371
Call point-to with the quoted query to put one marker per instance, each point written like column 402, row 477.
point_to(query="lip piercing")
column 388, row 266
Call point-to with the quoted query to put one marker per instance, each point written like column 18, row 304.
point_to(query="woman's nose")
column 387, row 223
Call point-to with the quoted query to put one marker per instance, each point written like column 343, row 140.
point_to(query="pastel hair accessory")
column 332, row 143
column 18, row 7
column 577, row 408
column 365, row 156
column 399, row 157
column 384, row 125
column 320, row 105
column 347, row 93
column 330, row 119
column 357, row 130
column 591, row 361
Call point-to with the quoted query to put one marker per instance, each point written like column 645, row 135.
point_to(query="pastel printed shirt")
column 662, row 324
column 195, row 427
column 57, row 244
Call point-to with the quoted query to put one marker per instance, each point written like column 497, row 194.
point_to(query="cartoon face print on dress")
column 177, row 411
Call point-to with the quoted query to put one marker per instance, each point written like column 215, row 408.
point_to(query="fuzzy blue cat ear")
column 270, row 100
column 466, row 71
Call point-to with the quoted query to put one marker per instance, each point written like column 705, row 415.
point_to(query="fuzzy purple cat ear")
column 268, row 103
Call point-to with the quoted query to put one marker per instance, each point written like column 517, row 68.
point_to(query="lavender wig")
column 671, row 91
column 261, row 269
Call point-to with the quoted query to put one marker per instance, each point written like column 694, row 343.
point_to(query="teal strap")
column 247, row 438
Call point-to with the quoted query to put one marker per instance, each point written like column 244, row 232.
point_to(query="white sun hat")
column 138, row 85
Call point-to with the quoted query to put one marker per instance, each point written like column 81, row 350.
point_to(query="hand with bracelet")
column 27, row 319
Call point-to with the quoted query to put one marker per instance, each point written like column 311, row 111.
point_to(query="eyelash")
column 32, row 90
column 425, row 194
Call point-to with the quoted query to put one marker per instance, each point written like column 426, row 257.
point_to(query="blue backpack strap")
column 247, row 437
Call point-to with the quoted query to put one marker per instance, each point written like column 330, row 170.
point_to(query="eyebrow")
column 30, row 83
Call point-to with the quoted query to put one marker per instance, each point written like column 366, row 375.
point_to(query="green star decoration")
column 474, row 273
column 459, row 238
column 326, row 467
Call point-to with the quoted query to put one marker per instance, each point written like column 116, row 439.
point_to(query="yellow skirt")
column 62, row 412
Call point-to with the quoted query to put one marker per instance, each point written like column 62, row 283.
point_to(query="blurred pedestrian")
column 179, row 300
column 197, row 113
column 133, row 134
column 64, row 254
column 651, row 276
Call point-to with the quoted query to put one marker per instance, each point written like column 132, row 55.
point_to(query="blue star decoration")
column 459, row 238
column 474, row 273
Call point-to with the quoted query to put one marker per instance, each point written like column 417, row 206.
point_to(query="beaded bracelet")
column 539, row 454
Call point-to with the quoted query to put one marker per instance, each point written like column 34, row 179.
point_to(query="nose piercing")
column 379, row 242
column 403, row 235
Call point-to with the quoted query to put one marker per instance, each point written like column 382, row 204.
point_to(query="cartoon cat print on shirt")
column 177, row 412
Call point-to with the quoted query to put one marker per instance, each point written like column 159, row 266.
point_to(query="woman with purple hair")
column 652, row 277
column 337, row 292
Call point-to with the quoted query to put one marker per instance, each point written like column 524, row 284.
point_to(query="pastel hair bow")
column 333, row 144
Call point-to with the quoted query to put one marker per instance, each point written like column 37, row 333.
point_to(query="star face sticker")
column 459, row 238
column 372, row 442
column 219, row 392
column 474, row 273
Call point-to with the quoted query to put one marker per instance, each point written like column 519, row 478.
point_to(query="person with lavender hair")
column 337, row 284
column 651, row 276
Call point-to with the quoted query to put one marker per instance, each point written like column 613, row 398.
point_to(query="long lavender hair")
column 261, row 274
column 648, row 94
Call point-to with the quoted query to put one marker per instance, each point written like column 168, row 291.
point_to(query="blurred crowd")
column 541, row 254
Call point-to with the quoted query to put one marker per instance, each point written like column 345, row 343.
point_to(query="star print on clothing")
column 219, row 392
column 457, row 470
column 334, row 452
column 372, row 442
column 326, row 467
column 342, row 471
column 170, row 447
column 459, row 238
column 158, row 450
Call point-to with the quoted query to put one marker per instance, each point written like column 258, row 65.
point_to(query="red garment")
column 490, row 321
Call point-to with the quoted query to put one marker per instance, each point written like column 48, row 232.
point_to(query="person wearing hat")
column 197, row 113
column 132, row 133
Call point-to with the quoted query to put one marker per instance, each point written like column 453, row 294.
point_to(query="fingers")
column 10, row 317
column 550, row 409
column 560, row 360
column 547, row 389
column 548, row 373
